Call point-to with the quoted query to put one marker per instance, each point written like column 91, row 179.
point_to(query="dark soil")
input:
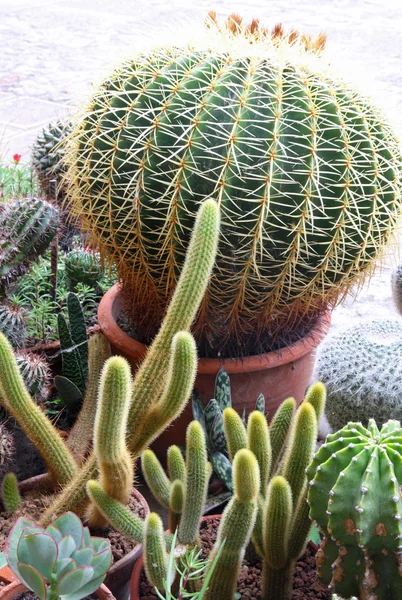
column 306, row 585
column 33, row 506
column 26, row 461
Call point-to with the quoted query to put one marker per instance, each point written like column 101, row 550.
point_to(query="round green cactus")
column 362, row 371
column 82, row 267
column 354, row 496
column 306, row 173
column 47, row 158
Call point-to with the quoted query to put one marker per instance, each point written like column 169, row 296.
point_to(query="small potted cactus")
column 61, row 561
column 289, row 159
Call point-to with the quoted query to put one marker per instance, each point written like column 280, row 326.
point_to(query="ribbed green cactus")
column 354, row 495
column 115, row 464
column 47, row 158
column 12, row 323
column 10, row 494
column 362, row 371
column 27, row 227
column 305, row 169
column 35, row 371
column 235, row 528
column 82, row 267
column 165, row 379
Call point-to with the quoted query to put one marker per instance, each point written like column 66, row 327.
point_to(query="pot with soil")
column 36, row 495
column 277, row 375
column 306, row 585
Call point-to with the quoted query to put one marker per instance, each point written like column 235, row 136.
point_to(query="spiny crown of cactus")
column 362, row 371
column 12, row 323
column 28, row 226
column 35, row 371
column 47, row 157
column 305, row 170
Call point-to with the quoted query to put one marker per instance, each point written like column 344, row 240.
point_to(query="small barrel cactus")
column 354, row 496
column 362, row 371
column 12, row 323
column 47, row 158
column 305, row 170
column 61, row 561
column 82, row 267
column 36, row 373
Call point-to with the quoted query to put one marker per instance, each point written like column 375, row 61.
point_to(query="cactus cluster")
column 47, row 158
column 305, row 170
column 12, row 323
column 159, row 391
column 354, row 496
column 82, row 267
column 28, row 226
column 62, row 561
column 362, row 371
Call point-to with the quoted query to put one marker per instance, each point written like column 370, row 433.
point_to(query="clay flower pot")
column 277, row 375
column 14, row 589
column 118, row 576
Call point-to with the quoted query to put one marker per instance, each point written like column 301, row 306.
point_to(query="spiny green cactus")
column 306, row 171
column 12, row 323
column 6, row 448
column 47, row 158
column 27, row 226
column 156, row 558
column 10, row 494
column 235, row 528
column 82, row 267
column 354, row 495
column 362, row 371
column 35, row 371
column 164, row 381
column 115, row 464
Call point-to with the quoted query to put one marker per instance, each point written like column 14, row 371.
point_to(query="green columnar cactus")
column 12, row 324
column 235, row 432
column 115, row 464
column 361, row 369
column 82, row 267
column 47, row 158
column 170, row 359
column 156, row 558
column 27, row 226
column 33, row 421
column 355, row 499
column 81, row 434
column 10, row 494
column 279, row 430
column 306, row 171
column 35, row 371
column 235, row 528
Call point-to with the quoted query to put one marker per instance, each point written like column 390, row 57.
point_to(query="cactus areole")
column 304, row 168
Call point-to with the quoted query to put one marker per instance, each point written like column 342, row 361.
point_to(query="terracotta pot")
column 118, row 576
column 14, row 589
column 277, row 375
column 139, row 565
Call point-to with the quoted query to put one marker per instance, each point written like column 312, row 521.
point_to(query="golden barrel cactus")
column 305, row 170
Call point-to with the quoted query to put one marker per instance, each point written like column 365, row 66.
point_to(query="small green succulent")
column 61, row 561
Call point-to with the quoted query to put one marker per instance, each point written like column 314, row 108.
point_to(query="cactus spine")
column 10, row 494
column 235, row 528
column 311, row 229
column 354, row 497
column 12, row 324
column 170, row 344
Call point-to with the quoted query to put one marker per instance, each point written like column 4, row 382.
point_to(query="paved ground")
column 52, row 49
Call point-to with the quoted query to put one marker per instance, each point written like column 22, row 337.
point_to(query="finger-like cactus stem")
column 176, row 504
column 235, row 527
column 156, row 559
column 30, row 417
column 235, row 432
column 196, row 484
column 176, row 464
column 10, row 494
column 279, row 430
column 259, row 443
column 317, row 395
column 156, row 478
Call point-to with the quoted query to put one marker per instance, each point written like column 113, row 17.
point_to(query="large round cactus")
column 305, row 170
column 355, row 498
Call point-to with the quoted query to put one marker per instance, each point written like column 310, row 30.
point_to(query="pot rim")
column 12, row 590
column 259, row 362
